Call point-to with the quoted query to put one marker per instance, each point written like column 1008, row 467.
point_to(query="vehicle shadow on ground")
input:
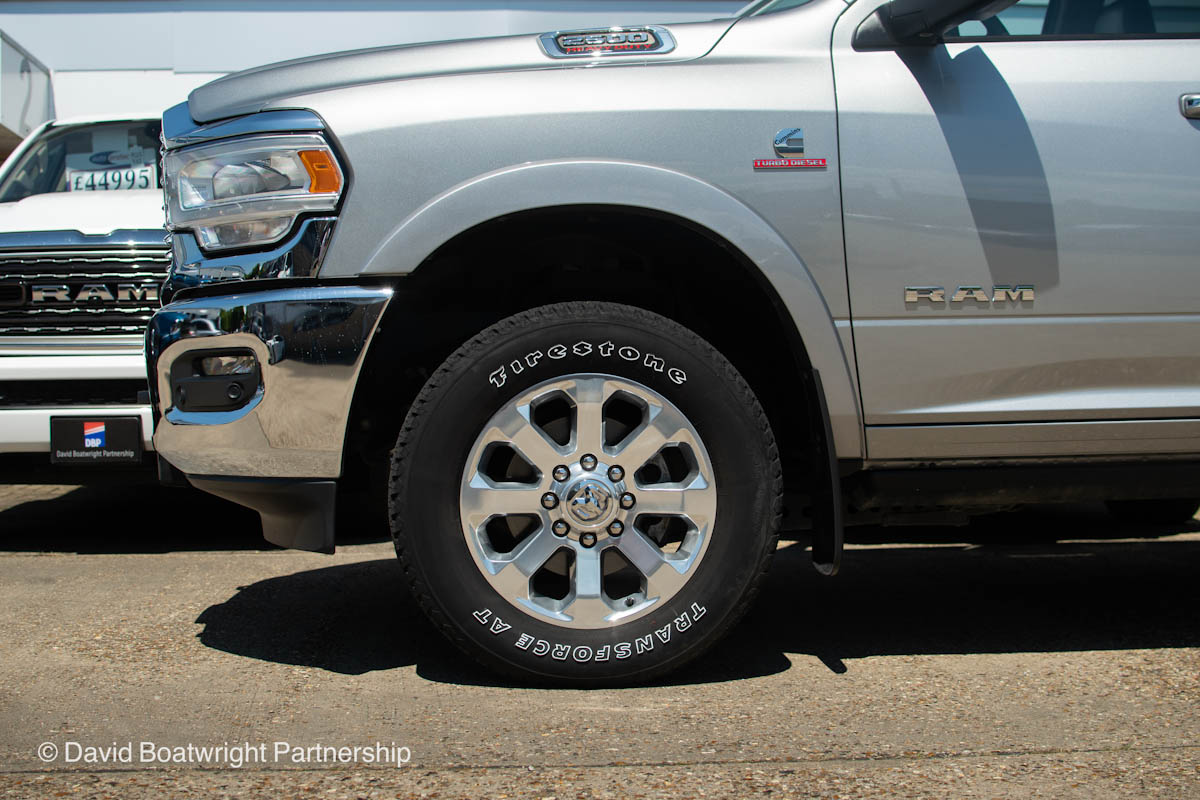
column 1003, row 584
column 139, row 515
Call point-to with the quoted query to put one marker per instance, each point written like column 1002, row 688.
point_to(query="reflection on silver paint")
column 297, row 257
column 310, row 343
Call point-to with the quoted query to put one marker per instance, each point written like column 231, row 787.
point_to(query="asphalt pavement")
column 1051, row 654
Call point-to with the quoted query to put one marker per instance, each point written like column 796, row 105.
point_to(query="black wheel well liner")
column 640, row 257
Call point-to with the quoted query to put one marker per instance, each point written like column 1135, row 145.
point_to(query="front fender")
column 618, row 183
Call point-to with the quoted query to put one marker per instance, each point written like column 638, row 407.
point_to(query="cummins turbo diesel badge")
column 607, row 42
column 790, row 163
column 789, row 146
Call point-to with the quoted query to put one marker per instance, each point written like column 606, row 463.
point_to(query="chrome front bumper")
column 310, row 343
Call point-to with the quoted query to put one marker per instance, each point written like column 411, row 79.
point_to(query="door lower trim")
column 1036, row 439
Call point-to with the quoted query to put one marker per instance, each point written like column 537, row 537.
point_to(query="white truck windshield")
column 103, row 156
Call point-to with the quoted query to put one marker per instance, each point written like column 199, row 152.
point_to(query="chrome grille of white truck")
column 68, row 292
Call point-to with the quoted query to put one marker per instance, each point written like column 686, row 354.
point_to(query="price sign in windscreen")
column 112, row 179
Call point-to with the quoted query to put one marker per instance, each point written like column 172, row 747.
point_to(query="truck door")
column 1022, row 221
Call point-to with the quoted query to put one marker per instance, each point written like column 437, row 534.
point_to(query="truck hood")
column 90, row 213
column 257, row 89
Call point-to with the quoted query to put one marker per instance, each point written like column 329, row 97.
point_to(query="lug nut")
column 549, row 500
column 561, row 473
column 588, row 462
column 588, row 540
column 630, row 601
column 627, row 500
column 615, row 474
column 616, row 527
column 561, row 528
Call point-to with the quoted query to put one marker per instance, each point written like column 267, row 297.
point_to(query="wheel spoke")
column 695, row 500
column 514, row 428
column 588, row 395
column 588, row 606
column 662, row 428
column 482, row 499
column 664, row 576
column 511, row 574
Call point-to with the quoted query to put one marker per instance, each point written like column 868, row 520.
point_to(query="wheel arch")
column 415, row 242
column 469, row 243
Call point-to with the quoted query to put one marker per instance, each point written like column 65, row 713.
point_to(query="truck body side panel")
column 1064, row 166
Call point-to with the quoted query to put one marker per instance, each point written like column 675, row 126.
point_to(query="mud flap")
column 827, row 486
column 297, row 514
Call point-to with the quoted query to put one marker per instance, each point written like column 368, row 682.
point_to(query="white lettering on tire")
column 583, row 654
column 606, row 349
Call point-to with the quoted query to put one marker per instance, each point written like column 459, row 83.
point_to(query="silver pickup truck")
column 600, row 312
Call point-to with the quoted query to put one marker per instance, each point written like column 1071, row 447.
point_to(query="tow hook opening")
column 215, row 380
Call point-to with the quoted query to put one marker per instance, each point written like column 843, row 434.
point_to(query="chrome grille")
column 21, row 271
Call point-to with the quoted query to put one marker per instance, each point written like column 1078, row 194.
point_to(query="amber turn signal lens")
column 323, row 174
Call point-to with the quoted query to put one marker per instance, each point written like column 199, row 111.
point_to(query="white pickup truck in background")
column 82, row 257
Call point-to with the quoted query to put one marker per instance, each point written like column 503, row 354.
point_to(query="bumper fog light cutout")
column 215, row 380
column 228, row 365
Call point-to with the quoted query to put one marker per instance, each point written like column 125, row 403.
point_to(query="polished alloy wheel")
column 588, row 500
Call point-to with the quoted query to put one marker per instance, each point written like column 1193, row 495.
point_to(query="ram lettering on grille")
column 80, row 292
column 91, row 292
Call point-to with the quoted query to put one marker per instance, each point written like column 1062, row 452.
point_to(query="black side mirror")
column 907, row 23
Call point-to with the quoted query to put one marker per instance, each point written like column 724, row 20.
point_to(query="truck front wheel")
column 585, row 493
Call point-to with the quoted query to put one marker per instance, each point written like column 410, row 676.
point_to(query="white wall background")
column 140, row 56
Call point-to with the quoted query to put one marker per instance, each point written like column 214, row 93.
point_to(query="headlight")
column 249, row 191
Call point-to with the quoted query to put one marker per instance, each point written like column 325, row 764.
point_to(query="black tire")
column 441, row 431
column 1168, row 511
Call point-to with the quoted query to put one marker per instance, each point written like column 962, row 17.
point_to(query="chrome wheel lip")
column 663, row 574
